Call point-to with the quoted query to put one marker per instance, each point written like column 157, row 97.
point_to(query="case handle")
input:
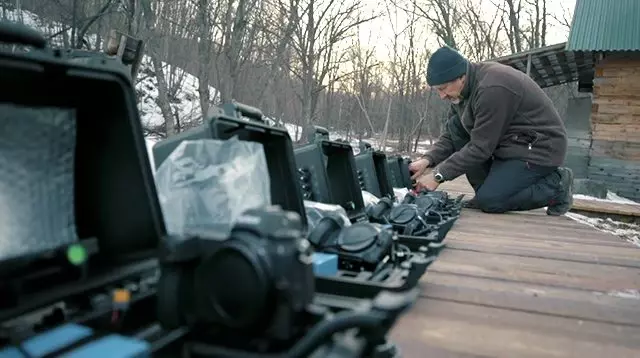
column 365, row 146
column 236, row 109
column 19, row 34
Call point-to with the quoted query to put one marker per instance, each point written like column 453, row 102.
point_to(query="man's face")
column 450, row 91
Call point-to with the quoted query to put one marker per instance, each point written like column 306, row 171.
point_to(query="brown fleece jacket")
column 508, row 116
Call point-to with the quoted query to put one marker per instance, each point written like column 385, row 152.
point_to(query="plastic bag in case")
column 205, row 185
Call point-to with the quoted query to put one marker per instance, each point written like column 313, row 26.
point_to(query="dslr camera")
column 360, row 246
column 257, row 282
column 414, row 216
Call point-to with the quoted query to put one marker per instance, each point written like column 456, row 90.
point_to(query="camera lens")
column 236, row 286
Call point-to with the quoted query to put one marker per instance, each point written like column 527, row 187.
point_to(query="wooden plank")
column 486, row 331
column 608, row 208
column 616, row 132
column 608, row 90
column 618, row 82
column 534, row 222
column 580, row 304
column 549, row 272
column 532, row 246
column 525, row 284
column 615, row 118
column 616, row 101
column 629, row 109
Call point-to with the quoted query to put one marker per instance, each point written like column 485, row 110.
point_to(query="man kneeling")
column 503, row 132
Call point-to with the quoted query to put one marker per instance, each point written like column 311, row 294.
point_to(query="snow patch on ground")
column 185, row 98
column 626, row 231
column 611, row 198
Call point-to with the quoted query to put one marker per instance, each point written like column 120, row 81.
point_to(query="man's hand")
column 418, row 168
column 427, row 181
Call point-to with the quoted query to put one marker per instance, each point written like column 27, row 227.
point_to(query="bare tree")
column 444, row 17
column 321, row 26
column 152, row 47
column 207, row 13
column 481, row 31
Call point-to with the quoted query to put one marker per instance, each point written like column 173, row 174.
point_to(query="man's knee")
column 488, row 202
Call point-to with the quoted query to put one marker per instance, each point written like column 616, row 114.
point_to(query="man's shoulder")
column 494, row 74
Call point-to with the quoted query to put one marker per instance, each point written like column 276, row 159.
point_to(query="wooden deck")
column 526, row 285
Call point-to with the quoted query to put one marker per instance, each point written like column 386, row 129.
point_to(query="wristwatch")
column 438, row 177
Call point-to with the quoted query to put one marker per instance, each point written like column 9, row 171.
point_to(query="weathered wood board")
column 525, row 285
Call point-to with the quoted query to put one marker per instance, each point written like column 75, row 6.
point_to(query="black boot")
column 564, row 202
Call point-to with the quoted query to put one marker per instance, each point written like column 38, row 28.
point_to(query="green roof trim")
column 605, row 25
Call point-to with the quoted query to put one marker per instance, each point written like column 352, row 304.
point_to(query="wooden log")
column 616, row 132
column 612, row 101
column 607, row 89
column 631, row 108
column 616, row 149
column 615, row 118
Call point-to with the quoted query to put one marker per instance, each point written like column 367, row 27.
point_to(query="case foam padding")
column 110, row 346
column 113, row 346
column 49, row 341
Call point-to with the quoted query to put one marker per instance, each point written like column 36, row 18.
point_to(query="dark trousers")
column 507, row 185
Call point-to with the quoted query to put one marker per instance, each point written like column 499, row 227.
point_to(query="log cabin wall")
column 615, row 125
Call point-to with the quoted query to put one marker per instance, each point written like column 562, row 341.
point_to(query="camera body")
column 417, row 215
column 359, row 246
column 258, row 282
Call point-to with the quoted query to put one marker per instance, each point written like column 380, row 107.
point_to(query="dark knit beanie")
column 445, row 65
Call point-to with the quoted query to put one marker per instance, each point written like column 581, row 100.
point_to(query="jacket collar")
column 470, row 81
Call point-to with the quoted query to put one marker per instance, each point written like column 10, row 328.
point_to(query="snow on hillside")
column 186, row 102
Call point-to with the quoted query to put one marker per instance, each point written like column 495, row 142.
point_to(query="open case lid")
column 394, row 163
column 247, row 124
column 373, row 171
column 94, row 173
column 406, row 174
column 327, row 173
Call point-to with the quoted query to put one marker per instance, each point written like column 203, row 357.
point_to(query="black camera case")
column 326, row 173
column 248, row 124
column 373, row 171
column 399, row 171
column 117, row 216
column 259, row 280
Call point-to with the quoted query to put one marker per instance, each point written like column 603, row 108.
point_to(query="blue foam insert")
column 49, row 341
column 325, row 264
column 112, row 346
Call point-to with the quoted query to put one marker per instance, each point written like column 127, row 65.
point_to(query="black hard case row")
column 333, row 164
